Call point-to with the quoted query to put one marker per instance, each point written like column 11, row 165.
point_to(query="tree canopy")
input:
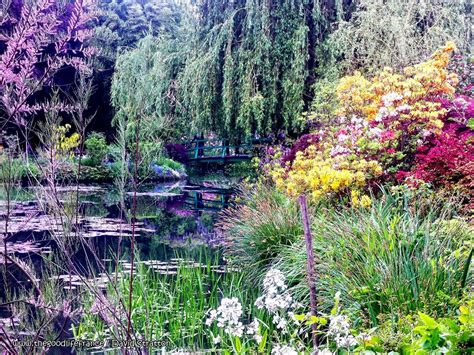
column 242, row 68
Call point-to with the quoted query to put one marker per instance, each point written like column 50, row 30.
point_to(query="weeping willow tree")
column 247, row 68
column 140, row 110
column 251, row 67
column 398, row 33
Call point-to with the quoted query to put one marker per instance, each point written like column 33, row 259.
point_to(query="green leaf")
column 238, row 345
column 300, row 317
column 470, row 123
column 261, row 346
column 427, row 320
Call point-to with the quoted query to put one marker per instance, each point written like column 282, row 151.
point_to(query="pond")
column 170, row 217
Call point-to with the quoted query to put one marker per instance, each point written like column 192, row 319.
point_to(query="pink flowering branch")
column 42, row 40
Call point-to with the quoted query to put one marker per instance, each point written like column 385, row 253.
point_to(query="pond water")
column 170, row 217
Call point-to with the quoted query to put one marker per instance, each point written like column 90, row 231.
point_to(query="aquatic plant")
column 184, row 290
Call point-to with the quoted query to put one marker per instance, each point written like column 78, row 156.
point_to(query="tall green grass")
column 401, row 255
column 172, row 307
column 257, row 231
column 405, row 253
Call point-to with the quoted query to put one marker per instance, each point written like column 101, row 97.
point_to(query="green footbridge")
column 208, row 151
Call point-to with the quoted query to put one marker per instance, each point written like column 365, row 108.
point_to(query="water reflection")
column 169, row 217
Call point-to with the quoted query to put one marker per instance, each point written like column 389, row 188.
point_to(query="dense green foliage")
column 122, row 23
column 406, row 253
column 247, row 68
column 398, row 33
column 96, row 148
column 236, row 69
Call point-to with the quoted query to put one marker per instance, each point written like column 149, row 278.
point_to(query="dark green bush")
column 96, row 149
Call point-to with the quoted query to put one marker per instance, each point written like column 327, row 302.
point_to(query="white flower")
column 212, row 317
column 356, row 120
column 227, row 316
column 403, row 108
column 338, row 150
column 260, row 302
column 279, row 321
column 216, row 340
column 274, row 278
column 375, row 132
column 390, row 98
column 252, row 328
column 425, row 133
column 324, row 351
column 339, row 328
column 283, row 350
column 345, row 341
column 338, row 325
column 342, row 138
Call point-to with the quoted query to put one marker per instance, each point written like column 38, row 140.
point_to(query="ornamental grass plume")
column 42, row 39
column 256, row 231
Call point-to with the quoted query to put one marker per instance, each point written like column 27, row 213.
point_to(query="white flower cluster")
column 228, row 316
column 253, row 329
column 276, row 298
column 390, row 98
column 283, row 350
column 339, row 329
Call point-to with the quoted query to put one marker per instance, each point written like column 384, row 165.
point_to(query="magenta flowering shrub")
column 300, row 145
column 445, row 161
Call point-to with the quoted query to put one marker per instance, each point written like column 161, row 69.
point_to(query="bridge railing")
column 221, row 151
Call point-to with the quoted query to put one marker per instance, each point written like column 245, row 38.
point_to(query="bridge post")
column 200, row 145
column 225, row 148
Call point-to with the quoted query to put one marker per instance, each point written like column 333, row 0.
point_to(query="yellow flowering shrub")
column 312, row 172
column 64, row 144
column 379, row 124
column 387, row 91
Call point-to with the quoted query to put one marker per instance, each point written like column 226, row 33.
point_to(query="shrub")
column 446, row 161
column 301, row 144
column 96, row 148
column 18, row 171
column 169, row 163
column 446, row 334
column 256, row 231
column 177, row 152
column 382, row 121
column 402, row 255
